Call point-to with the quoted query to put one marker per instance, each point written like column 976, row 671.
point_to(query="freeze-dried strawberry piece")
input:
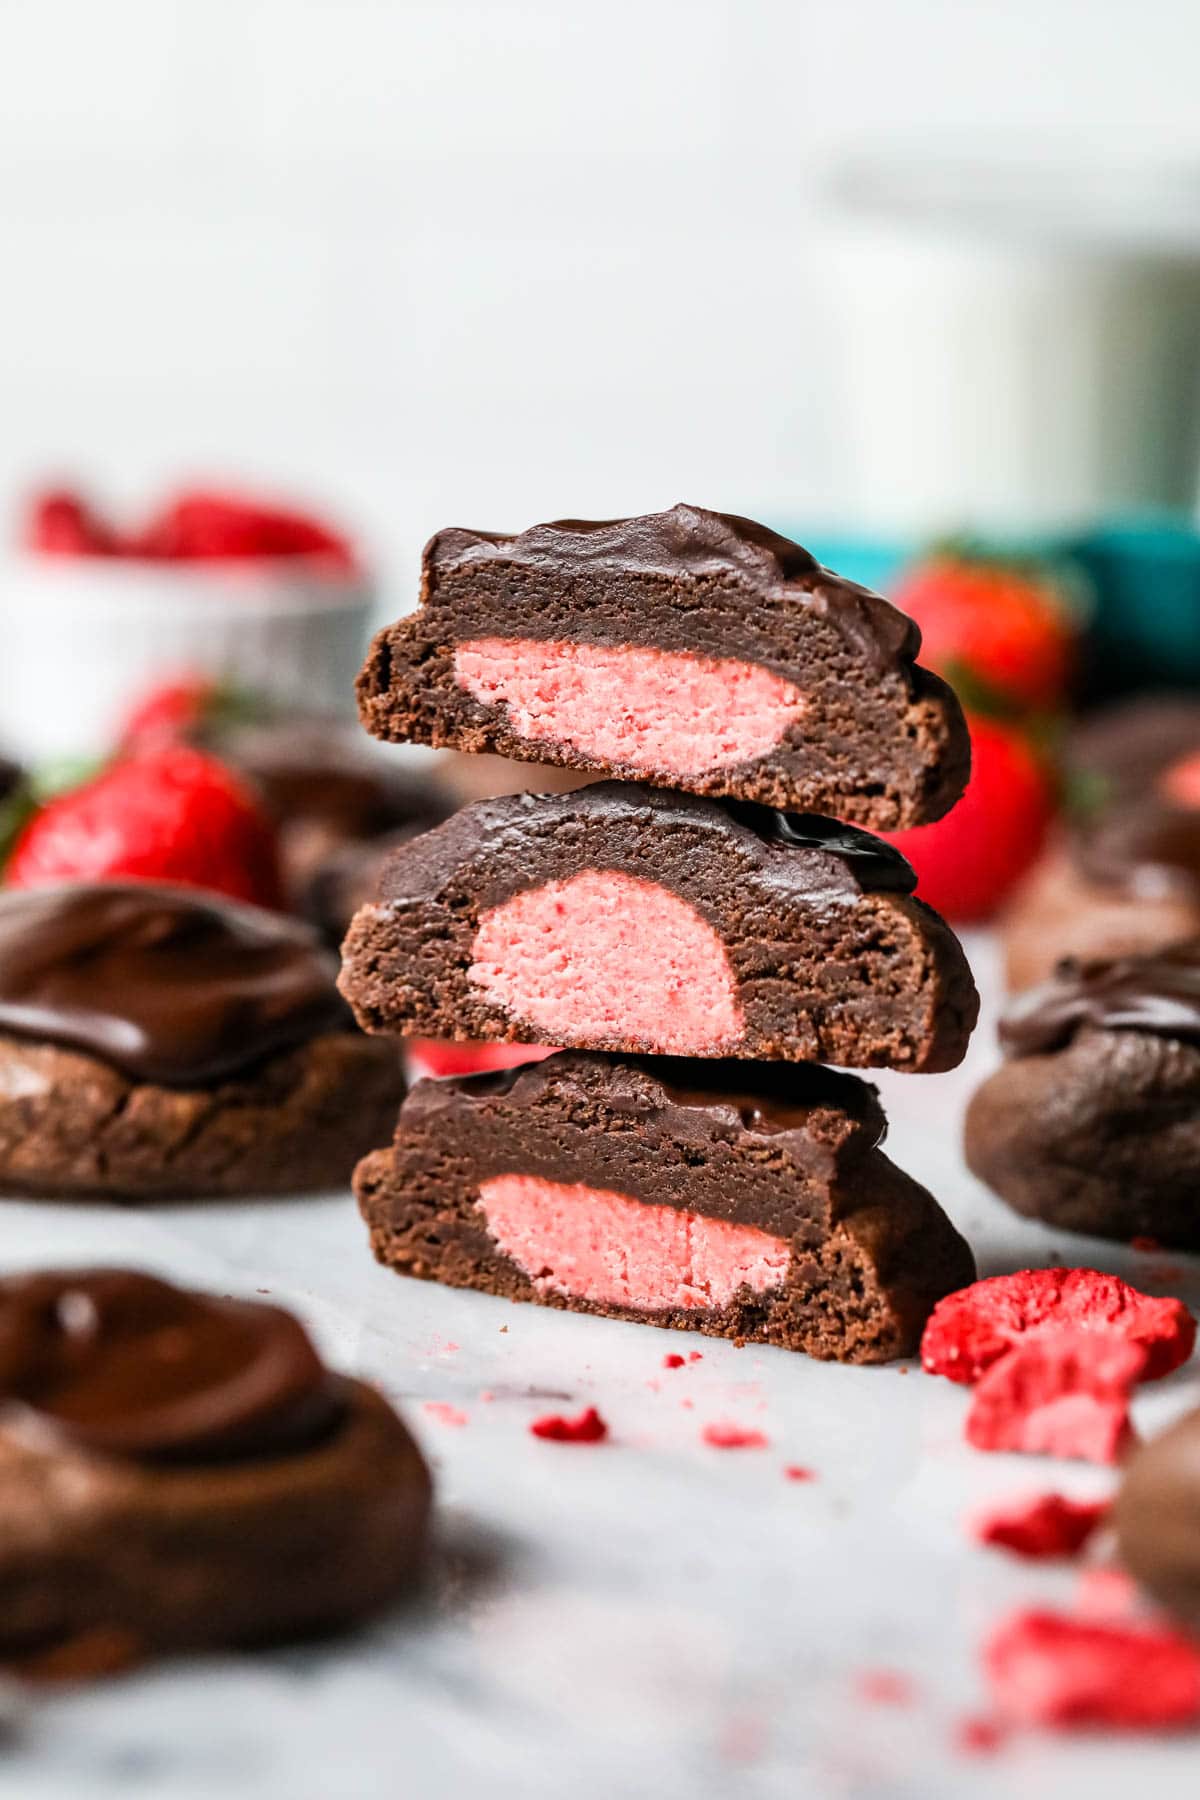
column 587, row 1428
column 1060, row 1393
column 970, row 1330
column 1048, row 1669
column 1041, row 1526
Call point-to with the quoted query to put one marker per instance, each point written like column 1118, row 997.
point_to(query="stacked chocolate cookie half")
column 697, row 932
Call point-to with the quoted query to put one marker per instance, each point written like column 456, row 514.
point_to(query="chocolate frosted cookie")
column 690, row 649
column 179, row 1472
column 625, row 918
column 1157, row 1517
column 746, row 1201
column 1124, row 878
column 1093, row 1121
column 331, row 795
column 160, row 1042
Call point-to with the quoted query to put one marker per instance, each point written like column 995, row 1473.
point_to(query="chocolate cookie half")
column 624, row 918
column 179, row 1472
column 691, row 649
column 1157, row 1516
column 157, row 1042
column 745, row 1201
column 1093, row 1121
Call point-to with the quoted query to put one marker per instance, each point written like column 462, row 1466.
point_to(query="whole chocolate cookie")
column 1123, row 878
column 691, row 649
column 1092, row 1123
column 157, row 1042
column 749, row 1201
column 625, row 918
column 179, row 1472
column 1157, row 1518
column 332, row 794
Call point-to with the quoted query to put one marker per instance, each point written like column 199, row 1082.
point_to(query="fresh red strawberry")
column 173, row 815
column 202, row 526
column 437, row 1056
column 61, row 523
column 968, row 862
column 194, row 709
column 1002, row 627
column 169, row 714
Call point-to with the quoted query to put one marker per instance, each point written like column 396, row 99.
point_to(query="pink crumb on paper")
column 885, row 1687
column 695, row 1356
column 605, row 1247
column 733, row 1437
column 644, row 710
column 609, row 956
column 980, row 1735
column 1061, row 1393
column 797, row 1472
column 1051, row 1669
column 586, row 1427
column 1040, row 1526
column 444, row 1413
column 673, row 1360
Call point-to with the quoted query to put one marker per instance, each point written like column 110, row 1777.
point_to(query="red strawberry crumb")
column 797, row 1472
column 1041, row 1527
column 1145, row 1243
column 979, row 1735
column 1061, row 1393
column 444, row 1413
column 733, row 1437
column 885, row 1687
column 970, row 1330
column 695, row 1356
column 586, row 1428
column 673, row 1360
column 1046, row 1668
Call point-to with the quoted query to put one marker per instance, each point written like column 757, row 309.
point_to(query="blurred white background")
column 493, row 260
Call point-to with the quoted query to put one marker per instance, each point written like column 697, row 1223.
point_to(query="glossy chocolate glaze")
column 875, row 865
column 802, row 855
column 1149, row 850
column 687, row 542
column 761, row 1098
column 167, row 984
column 1158, row 993
column 122, row 1364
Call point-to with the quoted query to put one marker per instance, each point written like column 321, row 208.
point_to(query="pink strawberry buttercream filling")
column 652, row 711
column 601, row 1246
column 608, row 958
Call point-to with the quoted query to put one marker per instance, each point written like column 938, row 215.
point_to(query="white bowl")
column 80, row 638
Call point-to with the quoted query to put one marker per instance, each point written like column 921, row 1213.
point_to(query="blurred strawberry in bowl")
column 968, row 862
column 250, row 593
column 195, row 525
column 998, row 628
column 172, row 815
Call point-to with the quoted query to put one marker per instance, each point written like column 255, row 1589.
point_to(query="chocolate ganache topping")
column 876, row 866
column 689, row 542
column 167, row 984
column 122, row 1364
column 1157, row 993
